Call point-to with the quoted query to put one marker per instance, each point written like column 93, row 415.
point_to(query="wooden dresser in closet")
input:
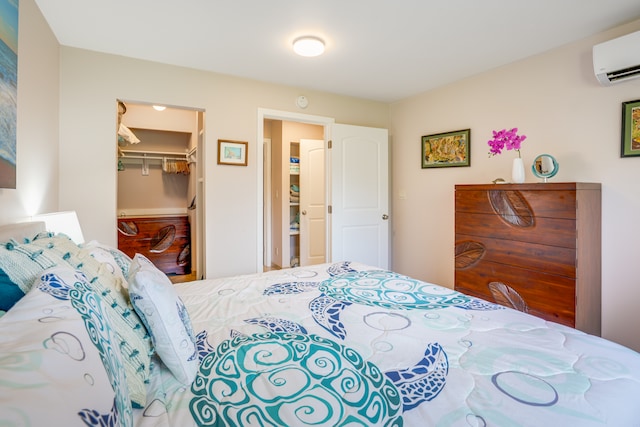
column 165, row 240
column 534, row 247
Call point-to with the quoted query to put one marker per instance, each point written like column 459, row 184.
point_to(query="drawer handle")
column 468, row 253
column 163, row 239
column 128, row 228
column 507, row 296
column 512, row 207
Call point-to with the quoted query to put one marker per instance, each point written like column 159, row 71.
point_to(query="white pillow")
column 162, row 311
column 58, row 348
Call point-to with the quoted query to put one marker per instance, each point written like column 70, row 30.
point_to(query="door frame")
column 266, row 199
column 198, row 261
column 265, row 113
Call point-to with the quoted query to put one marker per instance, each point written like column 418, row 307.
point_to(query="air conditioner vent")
column 617, row 60
column 624, row 74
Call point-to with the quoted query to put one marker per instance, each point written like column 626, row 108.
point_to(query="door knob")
column 303, row 212
column 385, row 217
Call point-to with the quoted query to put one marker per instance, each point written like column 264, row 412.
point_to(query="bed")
column 98, row 338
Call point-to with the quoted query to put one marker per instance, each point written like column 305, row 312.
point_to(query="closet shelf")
column 152, row 155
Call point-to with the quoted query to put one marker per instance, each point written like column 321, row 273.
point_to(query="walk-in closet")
column 160, row 187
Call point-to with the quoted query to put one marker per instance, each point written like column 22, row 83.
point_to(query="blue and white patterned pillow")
column 166, row 318
column 25, row 262
column 60, row 360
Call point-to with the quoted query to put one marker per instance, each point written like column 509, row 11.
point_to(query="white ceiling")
column 382, row 50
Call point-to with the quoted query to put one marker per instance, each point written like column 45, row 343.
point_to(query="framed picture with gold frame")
column 446, row 149
column 232, row 152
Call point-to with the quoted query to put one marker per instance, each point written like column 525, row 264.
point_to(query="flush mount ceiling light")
column 308, row 46
column 159, row 107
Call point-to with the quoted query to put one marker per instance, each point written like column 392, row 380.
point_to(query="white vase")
column 517, row 171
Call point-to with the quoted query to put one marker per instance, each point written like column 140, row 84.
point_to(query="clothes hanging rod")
column 143, row 157
column 154, row 153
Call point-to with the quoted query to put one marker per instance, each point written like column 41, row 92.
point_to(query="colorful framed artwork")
column 8, row 92
column 446, row 149
column 630, row 129
column 232, row 152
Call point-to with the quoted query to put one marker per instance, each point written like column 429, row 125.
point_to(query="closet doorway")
column 356, row 172
column 294, row 194
column 160, row 186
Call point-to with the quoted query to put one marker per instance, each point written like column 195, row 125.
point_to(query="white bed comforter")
column 347, row 344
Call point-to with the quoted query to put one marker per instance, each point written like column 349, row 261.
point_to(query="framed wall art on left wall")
column 8, row 92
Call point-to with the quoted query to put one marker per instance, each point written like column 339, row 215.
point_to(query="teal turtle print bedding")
column 347, row 344
column 341, row 344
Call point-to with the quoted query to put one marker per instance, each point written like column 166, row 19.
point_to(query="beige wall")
column 37, row 128
column 553, row 98
column 556, row 101
column 90, row 84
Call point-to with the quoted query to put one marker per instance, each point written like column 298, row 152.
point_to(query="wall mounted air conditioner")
column 617, row 60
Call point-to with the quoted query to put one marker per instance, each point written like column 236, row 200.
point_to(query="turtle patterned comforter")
column 348, row 344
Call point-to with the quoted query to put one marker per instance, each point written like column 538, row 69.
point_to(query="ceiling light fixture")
column 308, row 46
column 159, row 107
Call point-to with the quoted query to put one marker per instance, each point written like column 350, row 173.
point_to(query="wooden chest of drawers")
column 164, row 240
column 535, row 247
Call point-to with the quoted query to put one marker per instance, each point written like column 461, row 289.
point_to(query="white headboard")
column 21, row 230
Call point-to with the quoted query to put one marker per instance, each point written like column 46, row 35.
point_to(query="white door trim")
column 266, row 198
column 264, row 113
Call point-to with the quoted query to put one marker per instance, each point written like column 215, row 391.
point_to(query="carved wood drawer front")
column 551, row 259
column 548, row 296
column 545, row 231
column 164, row 240
column 526, row 239
column 549, row 203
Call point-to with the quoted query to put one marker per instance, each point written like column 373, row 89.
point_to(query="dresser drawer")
column 543, row 230
column 550, row 204
column 556, row 260
column 165, row 241
column 547, row 296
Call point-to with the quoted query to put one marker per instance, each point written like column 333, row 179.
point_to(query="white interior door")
column 360, row 195
column 312, row 202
